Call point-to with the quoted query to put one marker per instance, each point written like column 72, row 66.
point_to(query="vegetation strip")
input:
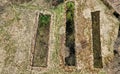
column 96, row 39
column 42, row 42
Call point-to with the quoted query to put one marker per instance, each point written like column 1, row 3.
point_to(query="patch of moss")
column 44, row 20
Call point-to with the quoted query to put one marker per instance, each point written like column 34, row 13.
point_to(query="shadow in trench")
column 70, row 60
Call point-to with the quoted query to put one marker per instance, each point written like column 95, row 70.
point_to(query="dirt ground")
column 18, row 23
